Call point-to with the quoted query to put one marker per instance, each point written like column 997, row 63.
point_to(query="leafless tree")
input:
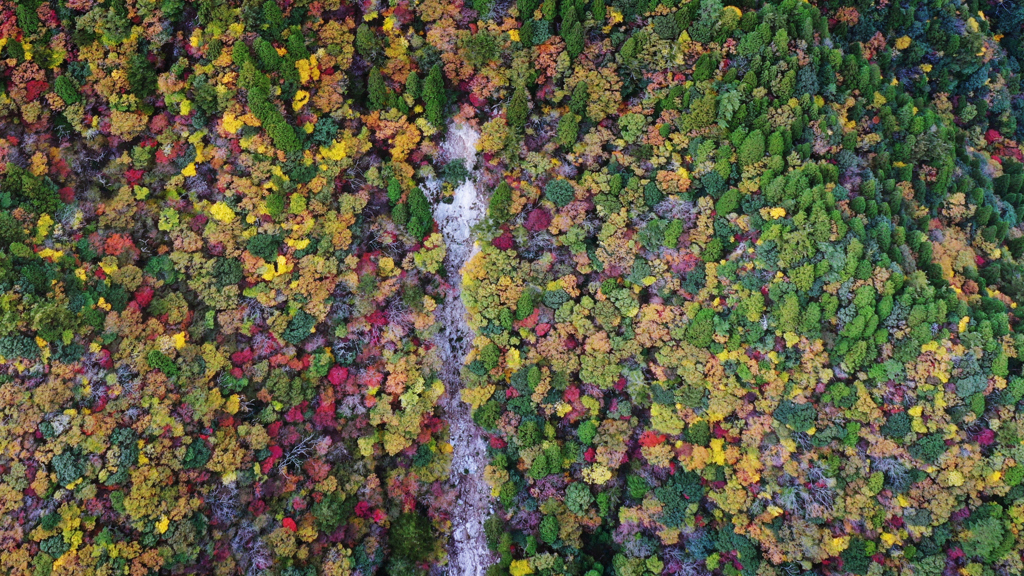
column 399, row 313
column 224, row 503
column 691, row 568
column 345, row 351
column 893, row 469
column 791, row 569
column 821, row 495
column 255, row 311
column 297, row 454
column 253, row 554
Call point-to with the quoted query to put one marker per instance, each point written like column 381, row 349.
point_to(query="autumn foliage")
column 744, row 301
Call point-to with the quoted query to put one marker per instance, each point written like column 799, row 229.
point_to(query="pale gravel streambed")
column 468, row 551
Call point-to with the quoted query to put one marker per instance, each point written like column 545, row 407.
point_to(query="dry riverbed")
column 468, row 551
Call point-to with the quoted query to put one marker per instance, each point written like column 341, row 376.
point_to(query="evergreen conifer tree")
column 434, row 97
column 518, row 109
column 377, row 90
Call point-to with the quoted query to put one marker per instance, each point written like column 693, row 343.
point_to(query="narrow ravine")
column 468, row 551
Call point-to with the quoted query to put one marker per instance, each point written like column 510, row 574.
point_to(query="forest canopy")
column 743, row 300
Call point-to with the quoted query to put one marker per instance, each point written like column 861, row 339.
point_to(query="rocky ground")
column 468, row 551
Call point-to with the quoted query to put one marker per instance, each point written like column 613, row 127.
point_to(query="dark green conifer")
column 377, row 91
column 434, row 97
